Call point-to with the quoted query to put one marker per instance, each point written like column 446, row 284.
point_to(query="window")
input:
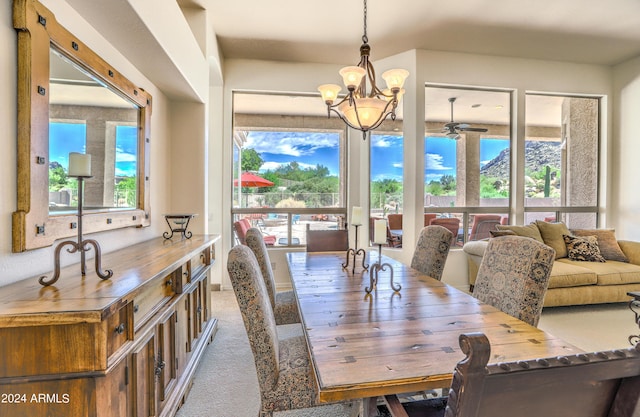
column 287, row 178
column 467, row 155
column 386, row 174
column 561, row 154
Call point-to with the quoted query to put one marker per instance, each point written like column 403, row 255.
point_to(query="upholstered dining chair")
column 285, row 378
column 514, row 276
column 432, row 250
column 283, row 303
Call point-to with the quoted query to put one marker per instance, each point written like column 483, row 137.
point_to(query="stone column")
column 468, row 169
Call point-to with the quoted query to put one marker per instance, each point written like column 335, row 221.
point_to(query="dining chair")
column 451, row 223
column 482, row 225
column 285, row 378
column 327, row 240
column 432, row 250
column 590, row 384
column 395, row 221
column 514, row 275
column 283, row 303
column 241, row 227
column 284, row 374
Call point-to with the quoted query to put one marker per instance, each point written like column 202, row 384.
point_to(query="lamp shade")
column 329, row 92
column 369, row 111
column 352, row 76
column 395, row 78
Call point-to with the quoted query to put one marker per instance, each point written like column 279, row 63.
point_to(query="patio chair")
column 514, row 275
column 428, row 217
column 451, row 223
column 431, row 251
column 482, row 225
column 283, row 303
column 241, row 227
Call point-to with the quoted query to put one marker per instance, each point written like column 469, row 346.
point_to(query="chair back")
column 602, row 384
column 395, row 221
column 451, row 223
column 482, row 225
column 257, row 314
column 241, row 227
column 432, row 250
column 255, row 242
column 428, row 217
column 327, row 240
column 514, row 275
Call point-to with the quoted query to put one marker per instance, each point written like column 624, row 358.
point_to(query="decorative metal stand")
column 181, row 223
column 80, row 246
column 355, row 252
column 634, row 305
column 375, row 270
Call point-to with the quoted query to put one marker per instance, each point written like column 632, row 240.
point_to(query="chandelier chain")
column 365, row 39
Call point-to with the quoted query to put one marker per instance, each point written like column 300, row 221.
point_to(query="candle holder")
column 79, row 246
column 355, row 252
column 634, row 305
column 375, row 270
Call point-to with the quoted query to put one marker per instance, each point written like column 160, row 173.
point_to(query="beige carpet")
column 225, row 384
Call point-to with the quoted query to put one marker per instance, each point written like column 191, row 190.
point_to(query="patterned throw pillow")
column 583, row 248
column 607, row 242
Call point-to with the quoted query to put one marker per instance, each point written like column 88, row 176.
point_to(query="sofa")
column 591, row 266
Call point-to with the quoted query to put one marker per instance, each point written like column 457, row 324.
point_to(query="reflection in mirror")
column 87, row 116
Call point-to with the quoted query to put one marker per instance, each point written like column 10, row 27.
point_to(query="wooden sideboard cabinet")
column 124, row 347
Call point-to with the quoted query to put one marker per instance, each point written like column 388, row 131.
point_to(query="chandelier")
column 358, row 109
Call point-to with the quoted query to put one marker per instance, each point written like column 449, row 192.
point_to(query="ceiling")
column 330, row 31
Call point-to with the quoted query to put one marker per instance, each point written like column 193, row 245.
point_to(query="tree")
column 57, row 178
column 251, row 160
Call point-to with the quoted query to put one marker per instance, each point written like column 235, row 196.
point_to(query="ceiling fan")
column 453, row 129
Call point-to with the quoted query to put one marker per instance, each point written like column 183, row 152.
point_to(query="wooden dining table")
column 365, row 346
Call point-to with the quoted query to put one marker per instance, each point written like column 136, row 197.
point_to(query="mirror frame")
column 33, row 226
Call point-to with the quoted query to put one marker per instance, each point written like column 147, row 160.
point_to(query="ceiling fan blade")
column 473, row 129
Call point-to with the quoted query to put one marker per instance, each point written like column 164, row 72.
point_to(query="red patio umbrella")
column 248, row 179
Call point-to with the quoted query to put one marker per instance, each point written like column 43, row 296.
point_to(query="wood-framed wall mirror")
column 71, row 100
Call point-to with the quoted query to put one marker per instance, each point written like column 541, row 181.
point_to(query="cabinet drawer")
column 197, row 264
column 152, row 298
column 119, row 328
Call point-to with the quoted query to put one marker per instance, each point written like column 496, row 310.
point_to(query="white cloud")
column 435, row 162
column 290, row 143
column 271, row 166
column 397, row 165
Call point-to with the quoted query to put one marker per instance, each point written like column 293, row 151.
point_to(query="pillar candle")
column 356, row 216
column 79, row 165
column 380, row 232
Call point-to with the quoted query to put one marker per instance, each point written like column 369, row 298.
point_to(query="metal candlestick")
column 375, row 269
column 355, row 252
column 80, row 246
column 634, row 305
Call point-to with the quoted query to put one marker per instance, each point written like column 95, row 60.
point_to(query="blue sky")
column 309, row 149
column 70, row 137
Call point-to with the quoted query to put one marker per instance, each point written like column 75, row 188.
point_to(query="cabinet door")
column 114, row 391
column 196, row 321
column 166, row 359
column 145, row 394
column 183, row 341
column 205, row 296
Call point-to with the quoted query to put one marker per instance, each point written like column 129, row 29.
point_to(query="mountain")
column 537, row 154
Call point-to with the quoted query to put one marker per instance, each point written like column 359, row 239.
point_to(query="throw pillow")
column 552, row 236
column 530, row 230
column 498, row 233
column 609, row 247
column 583, row 248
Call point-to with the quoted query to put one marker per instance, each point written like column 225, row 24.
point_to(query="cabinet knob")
column 169, row 282
column 185, row 273
column 120, row 328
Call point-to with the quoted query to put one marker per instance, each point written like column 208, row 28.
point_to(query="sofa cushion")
column 583, row 248
column 566, row 273
column 552, row 235
column 530, row 230
column 610, row 272
column 609, row 247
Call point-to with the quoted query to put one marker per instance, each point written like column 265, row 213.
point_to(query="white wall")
column 625, row 167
